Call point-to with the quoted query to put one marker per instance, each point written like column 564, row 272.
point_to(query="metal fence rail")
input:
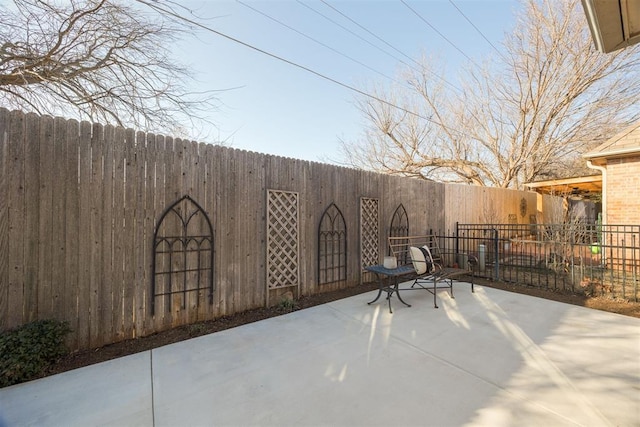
column 587, row 258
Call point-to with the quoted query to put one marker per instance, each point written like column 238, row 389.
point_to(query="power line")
column 438, row 32
column 390, row 45
column 294, row 64
column 355, row 34
column 477, row 29
column 318, row 42
column 370, row 32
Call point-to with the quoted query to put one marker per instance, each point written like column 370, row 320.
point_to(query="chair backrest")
column 421, row 259
column 400, row 247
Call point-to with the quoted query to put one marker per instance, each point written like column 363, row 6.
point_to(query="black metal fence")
column 587, row 258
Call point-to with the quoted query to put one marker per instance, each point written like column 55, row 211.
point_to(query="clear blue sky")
column 279, row 109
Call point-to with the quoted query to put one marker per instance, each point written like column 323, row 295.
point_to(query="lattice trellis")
column 282, row 240
column 369, row 232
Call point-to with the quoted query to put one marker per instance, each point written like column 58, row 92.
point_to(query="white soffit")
column 614, row 24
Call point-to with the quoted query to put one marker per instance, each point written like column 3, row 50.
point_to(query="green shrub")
column 25, row 352
column 287, row 305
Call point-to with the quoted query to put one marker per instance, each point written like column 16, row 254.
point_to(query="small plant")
column 287, row 305
column 197, row 329
column 29, row 349
column 595, row 287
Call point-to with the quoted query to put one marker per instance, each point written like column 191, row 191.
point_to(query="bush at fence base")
column 595, row 287
column 29, row 349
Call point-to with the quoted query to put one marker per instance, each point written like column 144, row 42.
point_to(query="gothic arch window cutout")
column 399, row 222
column 400, row 228
column 332, row 246
column 182, row 255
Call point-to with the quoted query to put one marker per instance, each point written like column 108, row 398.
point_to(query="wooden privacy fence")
column 123, row 233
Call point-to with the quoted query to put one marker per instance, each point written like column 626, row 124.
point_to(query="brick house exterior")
column 619, row 161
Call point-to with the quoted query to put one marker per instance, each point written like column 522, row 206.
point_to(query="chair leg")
column 435, row 289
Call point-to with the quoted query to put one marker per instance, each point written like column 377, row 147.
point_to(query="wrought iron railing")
column 588, row 258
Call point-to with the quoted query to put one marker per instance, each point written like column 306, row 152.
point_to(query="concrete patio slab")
column 116, row 392
column 490, row 358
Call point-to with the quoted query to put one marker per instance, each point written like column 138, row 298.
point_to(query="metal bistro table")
column 392, row 275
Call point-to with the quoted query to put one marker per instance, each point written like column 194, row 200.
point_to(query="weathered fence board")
column 128, row 211
column 45, row 229
column 31, row 212
column 79, row 204
column 16, row 220
column 84, row 232
column 4, row 220
column 147, row 225
column 140, row 243
column 96, row 275
column 160, row 153
column 118, row 232
column 71, row 232
column 58, row 178
column 107, row 280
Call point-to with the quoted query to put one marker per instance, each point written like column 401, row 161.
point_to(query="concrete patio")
column 490, row 358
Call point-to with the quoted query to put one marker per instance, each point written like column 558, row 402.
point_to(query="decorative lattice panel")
column 369, row 232
column 282, row 239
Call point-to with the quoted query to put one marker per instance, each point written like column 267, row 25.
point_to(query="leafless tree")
column 544, row 99
column 99, row 60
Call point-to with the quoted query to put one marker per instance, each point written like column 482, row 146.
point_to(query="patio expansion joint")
column 153, row 405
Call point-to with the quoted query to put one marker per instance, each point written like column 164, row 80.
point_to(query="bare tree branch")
column 98, row 60
column 528, row 117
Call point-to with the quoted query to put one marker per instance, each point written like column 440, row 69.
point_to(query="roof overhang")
column 614, row 24
column 601, row 156
column 582, row 187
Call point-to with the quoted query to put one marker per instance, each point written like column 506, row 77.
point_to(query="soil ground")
column 85, row 358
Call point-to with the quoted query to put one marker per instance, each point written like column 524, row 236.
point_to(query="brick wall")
column 623, row 191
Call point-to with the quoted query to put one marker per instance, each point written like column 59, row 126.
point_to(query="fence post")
column 496, row 244
column 572, row 241
column 633, row 266
column 624, row 268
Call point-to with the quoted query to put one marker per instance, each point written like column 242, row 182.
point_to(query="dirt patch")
column 85, row 358
column 604, row 303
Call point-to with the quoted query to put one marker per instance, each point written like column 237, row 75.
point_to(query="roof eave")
column 602, row 155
